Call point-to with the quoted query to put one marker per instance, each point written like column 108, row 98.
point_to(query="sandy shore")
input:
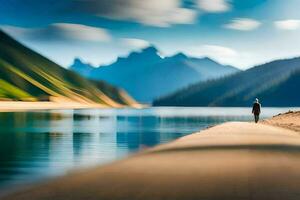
column 55, row 103
column 236, row 160
column 10, row 106
column 289, row 120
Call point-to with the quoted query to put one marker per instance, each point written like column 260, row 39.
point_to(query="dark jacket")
column 256, row 108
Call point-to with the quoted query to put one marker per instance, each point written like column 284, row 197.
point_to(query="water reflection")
column 36, row 145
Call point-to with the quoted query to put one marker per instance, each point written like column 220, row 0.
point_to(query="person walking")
column 256, row 110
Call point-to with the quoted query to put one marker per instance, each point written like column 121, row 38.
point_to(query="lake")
column 38, row 145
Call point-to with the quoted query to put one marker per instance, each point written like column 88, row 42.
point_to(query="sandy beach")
column 14, row 106
column 235, row 160
column 10, row 106
column 289, row 120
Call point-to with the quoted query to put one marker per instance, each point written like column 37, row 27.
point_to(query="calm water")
column 43, row 144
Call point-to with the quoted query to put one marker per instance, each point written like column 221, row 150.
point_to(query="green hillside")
column 27, row 76
column 274, row 83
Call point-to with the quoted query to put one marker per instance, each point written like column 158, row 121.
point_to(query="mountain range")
column 146, row 75
column 275, row 84
column 177, row 80
column 28, row 76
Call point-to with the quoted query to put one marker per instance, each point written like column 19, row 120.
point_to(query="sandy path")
column 236, row 160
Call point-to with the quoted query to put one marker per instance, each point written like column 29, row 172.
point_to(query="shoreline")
column 289, row 120
column 64, row 104
column 18, row 106
column 240, row 160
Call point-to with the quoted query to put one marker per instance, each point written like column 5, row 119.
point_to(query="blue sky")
column 242, row 33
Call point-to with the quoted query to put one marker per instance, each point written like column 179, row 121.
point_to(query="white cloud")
column 83, row 32
column 14, row 31
column 243, row 24
column 161, row 13
column 222, row 54
column 214, row 51
column 214, row 5
column 60, row 31
column 135, row 43
column 290, row 24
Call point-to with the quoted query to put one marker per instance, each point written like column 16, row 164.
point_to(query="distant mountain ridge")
column 274, row 83
column 146, row 75
column 27, row 76
column 83, row 69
